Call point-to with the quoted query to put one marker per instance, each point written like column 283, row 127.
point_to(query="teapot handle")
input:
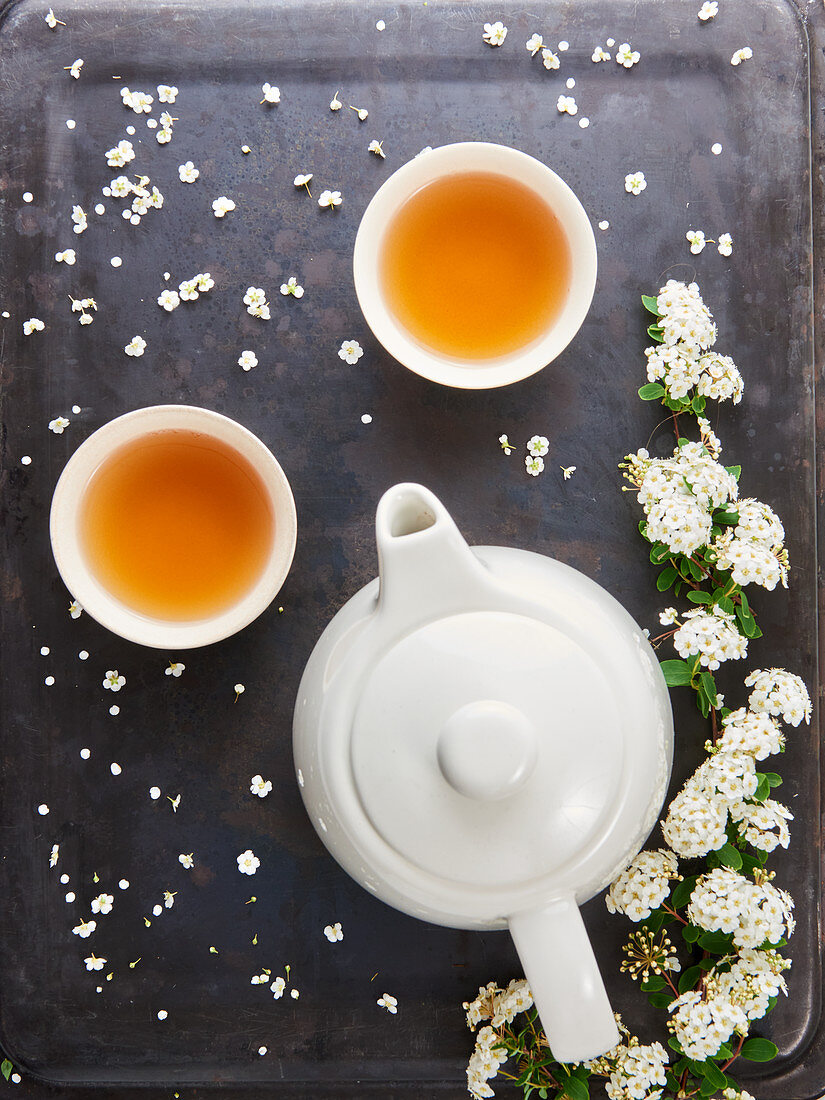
column 423, row 561
column 564, row 978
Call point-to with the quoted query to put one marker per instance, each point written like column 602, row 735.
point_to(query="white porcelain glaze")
column 97, row 600
column 474, row 156
column 484, row 740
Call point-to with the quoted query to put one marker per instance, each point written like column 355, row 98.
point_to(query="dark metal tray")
column 426, row 79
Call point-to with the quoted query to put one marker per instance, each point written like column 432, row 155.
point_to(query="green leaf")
column 724, row 1052
column 666, row 578
column 756, row 633
column 653, row 983
column 715, row 1076
column 676, row 673
column 698, row 597
column 660, row 553
column 729, row 857
column 689, row 978
column 773, row 779
column 734, row 471
column 656, row 332
column 726, row 603
column 649, row 302
column 702, row 702
column 681, row 892
column 660, row 999
column 717, row 943
column 674, row 1044
column 709, row 685
column 693, row 568
column 707, row 1088
column 651, row 391
column 758, row 1050
column 690, row 933
column 5, row 1068
column 746, row 622
column 698, row 404
column 542, row 1094
column 655, row 921
column 728, row 519
column 575, row 1088
column 763, row 788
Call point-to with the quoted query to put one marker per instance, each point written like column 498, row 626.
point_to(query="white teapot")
column 483, row 739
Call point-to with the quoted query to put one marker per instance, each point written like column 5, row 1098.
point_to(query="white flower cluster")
column 753, row 913
column 701, row 1025
column 763, row 824
column 755, row 733
column 499, row 1006
column 697, row 817
column 256, row 303
column 143, row 199
column 684, row 360
column 120, row 155
column 164, row 134
column 779, row 693
column 754, row 550
column 644, row 885
column 752, row 980
column 679, row 494
column 712, row 635
column 637, row 1070
column 139, row 102
column 80, row 220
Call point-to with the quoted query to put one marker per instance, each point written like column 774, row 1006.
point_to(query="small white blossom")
column 188, row 172
column 51, row 19
column 58, row 425
column 568, row 471
column 167, row 93
column 291, row 287
column 533, row 44
column 538, row 445
column 375, row 147
column 708, row 10
column 724, row 246
column 271, row 93
column 333, row 932
column 85, row 929
column 362, row 112
column 668, row 616
column 74, row 68
column 303, row 179
column 67, row 256
column 350, row 351
column 188, row 290
column 335, row 103
column 599, row 55
column 260, row 786
column 93, row 963
column 745, row 54
column 635, row 183
column 549, row 59
column 221, row 206
column 175, row 668
column 386, row 1000
column 626, row 56
column 247, row 360
column 169, row 299
column 113, row 681
column 102, row 904
column 168, row 899
column 534, row 465
column 248, row 862
column 120, row 155
column 136, row 346
column 566, row 104
column 75, row 609
column 494, row 33
column 506, row 445
column 34, row 324
column 330, row 199
column 186, row 861
column 278, row 987
column 697, row 241
column 55, row 855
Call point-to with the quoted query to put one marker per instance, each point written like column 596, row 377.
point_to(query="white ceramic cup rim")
column 471, row 156
column 64, row 525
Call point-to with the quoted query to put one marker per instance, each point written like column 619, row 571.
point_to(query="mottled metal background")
column 427, row 79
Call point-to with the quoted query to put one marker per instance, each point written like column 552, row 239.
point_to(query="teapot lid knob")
column 487, row 750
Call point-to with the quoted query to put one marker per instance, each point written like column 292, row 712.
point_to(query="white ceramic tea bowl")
column 483, row 739
column 84, row 585
column 445, row 161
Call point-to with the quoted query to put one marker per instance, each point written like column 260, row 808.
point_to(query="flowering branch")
column 726, row 970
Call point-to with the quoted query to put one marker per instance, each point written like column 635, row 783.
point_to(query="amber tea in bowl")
column 475, row 265
column 173, row 526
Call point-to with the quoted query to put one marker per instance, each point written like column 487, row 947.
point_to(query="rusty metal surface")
column 427, row 79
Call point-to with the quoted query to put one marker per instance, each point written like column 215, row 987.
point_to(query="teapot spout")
column 423, row 561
